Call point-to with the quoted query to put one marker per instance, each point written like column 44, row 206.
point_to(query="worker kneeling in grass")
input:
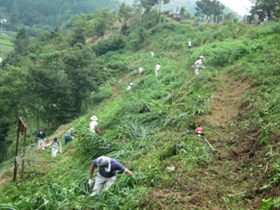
column 107, row 173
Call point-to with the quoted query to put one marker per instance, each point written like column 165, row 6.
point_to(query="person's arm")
column 49, row 144
column 91, row 171
column 128, row 171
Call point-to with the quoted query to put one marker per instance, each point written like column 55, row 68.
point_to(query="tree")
column 149, row 4
column 125, row 12
column 209, row 7
column 265, row 8
column 14, row 15
column 21, row 41
column 80, row 66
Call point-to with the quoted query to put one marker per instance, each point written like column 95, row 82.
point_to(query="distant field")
column 6, row 46
column 10, row 33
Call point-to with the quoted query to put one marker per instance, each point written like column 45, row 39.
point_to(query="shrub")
column 104, row 93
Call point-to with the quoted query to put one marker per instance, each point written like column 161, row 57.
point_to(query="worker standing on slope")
column 69, row 136
column 141, row 71
column 198, row 65
column 56, row 146
column 93, row 124
column 157, row 68
column 107, row 173
column 129, row 87
column 41, row 136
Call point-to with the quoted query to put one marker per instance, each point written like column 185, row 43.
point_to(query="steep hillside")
column 234, row 99
column 188, row 5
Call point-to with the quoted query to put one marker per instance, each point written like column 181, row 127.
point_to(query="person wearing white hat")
column 93, row 124
column 129, row 87
column 141, row 71
column 199, row 64
column 107, row 173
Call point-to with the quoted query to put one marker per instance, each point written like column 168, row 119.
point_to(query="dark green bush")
column 113, row 43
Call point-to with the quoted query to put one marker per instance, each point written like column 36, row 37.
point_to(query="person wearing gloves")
column 107, row 173
column 157, row 68
column 41, row 136
column 93, row 124
column 69, row 136
column 198, row 65
column 55, row 146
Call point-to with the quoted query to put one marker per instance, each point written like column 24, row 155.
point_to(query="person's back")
column 141, row 71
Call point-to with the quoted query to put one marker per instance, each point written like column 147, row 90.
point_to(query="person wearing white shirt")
column 93, row 124
column 189, row 44
column 56, row 146
column 198, row 65
column 157, row 68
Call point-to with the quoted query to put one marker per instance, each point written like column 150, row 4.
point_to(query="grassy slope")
column 5, row 43
column 171, row 172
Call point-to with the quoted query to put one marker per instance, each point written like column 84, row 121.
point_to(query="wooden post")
column 21, row 129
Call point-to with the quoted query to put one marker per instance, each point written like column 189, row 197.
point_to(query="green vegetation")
column 59, row 81
column 6, row 45
column 47, row 14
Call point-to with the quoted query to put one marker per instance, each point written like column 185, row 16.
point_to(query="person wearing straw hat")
column 41, row 136
column 93, row 124
column 107, row 173
column 189, row 44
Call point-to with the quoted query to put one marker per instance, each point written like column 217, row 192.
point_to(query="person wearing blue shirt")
column 41, row 136
column 107, row 173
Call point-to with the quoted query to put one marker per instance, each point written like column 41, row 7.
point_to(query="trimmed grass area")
column 6, row 46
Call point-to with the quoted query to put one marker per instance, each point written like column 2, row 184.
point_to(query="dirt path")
column 226, row 102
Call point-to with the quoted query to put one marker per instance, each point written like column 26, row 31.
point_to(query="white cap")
column 131, row 84
column 201, row 57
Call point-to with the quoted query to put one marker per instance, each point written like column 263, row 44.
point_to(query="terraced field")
column 6, row 45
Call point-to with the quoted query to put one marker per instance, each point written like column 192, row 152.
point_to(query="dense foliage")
column 48, row 14
column 66, row 78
